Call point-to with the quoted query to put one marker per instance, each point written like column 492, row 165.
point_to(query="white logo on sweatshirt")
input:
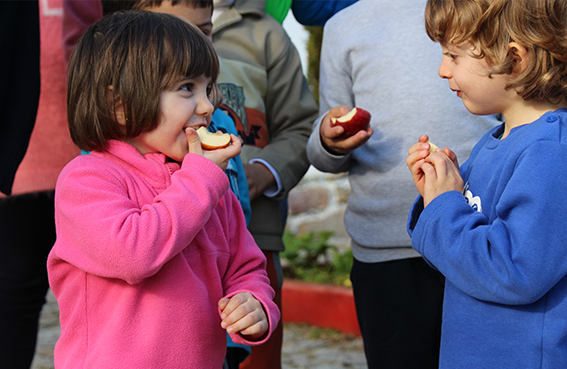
column 473, row 201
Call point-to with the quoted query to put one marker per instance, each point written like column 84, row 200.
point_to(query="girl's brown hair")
column 130, row 58
column 491, row 25
column 111, row 6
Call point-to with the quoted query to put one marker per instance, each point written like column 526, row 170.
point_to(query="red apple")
column 212, row 141
column 354, row 121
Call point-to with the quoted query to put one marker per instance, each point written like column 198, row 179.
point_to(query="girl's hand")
column 433, row 173
column 219, row 156
column 331, row 136
column 243, row 314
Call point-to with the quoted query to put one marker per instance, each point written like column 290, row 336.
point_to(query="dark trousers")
column 399, row 308
column 27, row 234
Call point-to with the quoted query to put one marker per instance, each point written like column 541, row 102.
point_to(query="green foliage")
column 310, row 258
column 313, row 58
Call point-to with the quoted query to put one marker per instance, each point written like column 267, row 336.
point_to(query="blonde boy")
column 493, row 227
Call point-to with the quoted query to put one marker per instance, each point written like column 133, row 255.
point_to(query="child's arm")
column 248, row 297
column 98, row 203
column 433, row 173
column 507, row 245
column 243, row 314
column 332, row 136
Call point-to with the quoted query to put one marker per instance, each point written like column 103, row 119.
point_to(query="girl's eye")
column 187, row 87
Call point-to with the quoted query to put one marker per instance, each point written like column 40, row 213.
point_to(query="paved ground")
column 304, row 346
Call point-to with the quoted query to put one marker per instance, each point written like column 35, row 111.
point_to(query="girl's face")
column 468, row 76
column 187, row 104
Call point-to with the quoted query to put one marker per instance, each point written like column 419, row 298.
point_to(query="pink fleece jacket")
column 145, row 249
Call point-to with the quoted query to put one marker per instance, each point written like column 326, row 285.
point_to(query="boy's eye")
column 450, row 55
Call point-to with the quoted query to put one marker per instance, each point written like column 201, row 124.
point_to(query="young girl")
column 496, row 229
column 152, row 259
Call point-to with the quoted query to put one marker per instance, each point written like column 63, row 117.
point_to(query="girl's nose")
column 205, row 106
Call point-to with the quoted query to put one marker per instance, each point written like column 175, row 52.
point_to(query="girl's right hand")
column 219, row 156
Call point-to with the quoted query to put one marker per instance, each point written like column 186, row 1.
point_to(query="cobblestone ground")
column 304, row 346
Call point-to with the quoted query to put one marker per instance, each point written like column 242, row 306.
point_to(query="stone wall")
column 318, row 204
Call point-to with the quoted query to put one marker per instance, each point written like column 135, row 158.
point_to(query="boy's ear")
column 117, row 106
column 518, row 54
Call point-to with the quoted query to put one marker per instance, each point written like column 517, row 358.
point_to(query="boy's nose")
column 444, row 71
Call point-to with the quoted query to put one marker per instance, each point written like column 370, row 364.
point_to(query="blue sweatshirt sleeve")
column 513, row 253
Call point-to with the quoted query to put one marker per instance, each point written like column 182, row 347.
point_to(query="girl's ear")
column 116, row 103
column 518, row 54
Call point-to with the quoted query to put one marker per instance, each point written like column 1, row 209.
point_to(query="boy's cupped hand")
column 244, row 314
column 433, row 173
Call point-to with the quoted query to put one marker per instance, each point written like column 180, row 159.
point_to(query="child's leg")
column 27, row 230
column 399, row 308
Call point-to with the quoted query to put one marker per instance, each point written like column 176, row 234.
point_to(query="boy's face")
column 468, row 76
column 185, row 105
column 201, row 17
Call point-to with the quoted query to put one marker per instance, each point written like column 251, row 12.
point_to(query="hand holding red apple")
column 350, row 130
column 355, row 120
column 219, row 156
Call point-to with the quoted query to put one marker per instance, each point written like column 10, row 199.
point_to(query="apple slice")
column 212, row 141
column 353, row 121
column 432, row 146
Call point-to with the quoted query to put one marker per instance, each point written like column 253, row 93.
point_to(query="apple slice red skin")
column 360, row 121
column 204, row 133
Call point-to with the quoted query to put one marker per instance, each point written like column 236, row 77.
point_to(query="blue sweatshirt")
column 503, row 250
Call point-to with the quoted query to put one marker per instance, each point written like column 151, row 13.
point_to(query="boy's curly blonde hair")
column 491, row 25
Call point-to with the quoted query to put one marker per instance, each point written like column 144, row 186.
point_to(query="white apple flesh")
column 352, row 122
column 432, row 146
column 212, row 141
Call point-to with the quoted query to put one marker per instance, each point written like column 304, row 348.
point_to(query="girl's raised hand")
column 243, row 314
column 219, row 156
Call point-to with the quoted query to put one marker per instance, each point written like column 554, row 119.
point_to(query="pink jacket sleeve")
column 247, row 272
column 98, row 211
